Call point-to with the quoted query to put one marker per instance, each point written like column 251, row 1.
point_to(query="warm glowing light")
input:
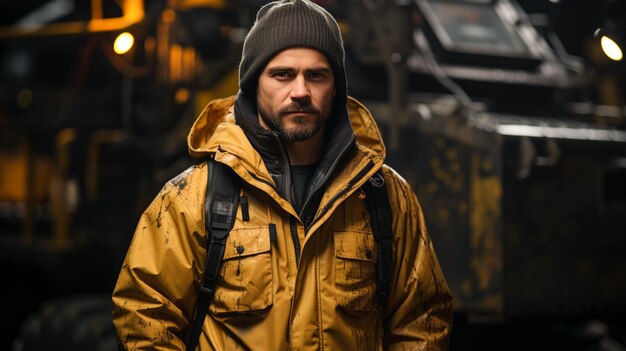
column 123, row 43
column 611, row 49
column 168, row 16
column 181, row 96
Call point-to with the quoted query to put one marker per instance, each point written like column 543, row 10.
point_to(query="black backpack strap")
column 377, row 200
column 220, row 211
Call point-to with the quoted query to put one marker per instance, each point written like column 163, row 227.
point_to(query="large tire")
column 69, row 323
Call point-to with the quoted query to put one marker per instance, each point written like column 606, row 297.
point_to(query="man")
column 299, row 267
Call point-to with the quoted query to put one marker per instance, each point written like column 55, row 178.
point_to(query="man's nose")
column 300, row 89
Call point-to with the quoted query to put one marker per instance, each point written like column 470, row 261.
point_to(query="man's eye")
column 316, row 75
column 281, row 75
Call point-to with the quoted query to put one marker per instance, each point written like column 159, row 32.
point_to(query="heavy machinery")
column 93, row 124
column 517, row 160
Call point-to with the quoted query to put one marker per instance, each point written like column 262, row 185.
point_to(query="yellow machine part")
column 14, row 171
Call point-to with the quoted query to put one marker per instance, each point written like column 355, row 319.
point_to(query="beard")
column 301, row 127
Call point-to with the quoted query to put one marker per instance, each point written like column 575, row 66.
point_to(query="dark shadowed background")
column 506, row 117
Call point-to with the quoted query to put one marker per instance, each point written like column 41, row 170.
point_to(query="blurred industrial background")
column 506, row 116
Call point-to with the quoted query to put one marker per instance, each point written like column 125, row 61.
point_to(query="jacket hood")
column 219, row 114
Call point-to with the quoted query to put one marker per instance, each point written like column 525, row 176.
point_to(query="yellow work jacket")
column 265, row 300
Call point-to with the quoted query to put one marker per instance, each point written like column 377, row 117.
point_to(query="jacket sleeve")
column 418, row 313
column 155, row 293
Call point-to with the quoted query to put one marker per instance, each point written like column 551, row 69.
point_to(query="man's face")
column 295, row 93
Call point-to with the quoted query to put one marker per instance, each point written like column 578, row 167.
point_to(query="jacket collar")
column 242, row 143
column 202, row 138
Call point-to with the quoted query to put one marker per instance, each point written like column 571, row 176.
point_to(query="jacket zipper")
column 294, row 236
column 286, row 168
column 287, row 191
column 261, row 180
column 326, row 177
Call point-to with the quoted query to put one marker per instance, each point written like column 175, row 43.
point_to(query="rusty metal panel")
column 459, row 187
column 460, row 190
column 518, row 234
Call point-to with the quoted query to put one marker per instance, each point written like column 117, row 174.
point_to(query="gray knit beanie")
column 291, row 23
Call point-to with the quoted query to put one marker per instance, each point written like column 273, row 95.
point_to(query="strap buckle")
column 377, row 180
column 206, row 291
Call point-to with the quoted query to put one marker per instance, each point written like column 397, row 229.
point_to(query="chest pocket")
column 355, row 270
column 245, row 283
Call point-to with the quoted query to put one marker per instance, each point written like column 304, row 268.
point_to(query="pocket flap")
column 243, row 242
column 355, row 246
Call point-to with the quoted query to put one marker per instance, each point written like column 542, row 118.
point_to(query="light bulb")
column 611, row 49
column 123, row 43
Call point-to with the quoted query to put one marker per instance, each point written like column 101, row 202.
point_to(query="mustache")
column 299, row 107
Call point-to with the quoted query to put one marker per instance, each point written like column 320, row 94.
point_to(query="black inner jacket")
column 339, row 142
